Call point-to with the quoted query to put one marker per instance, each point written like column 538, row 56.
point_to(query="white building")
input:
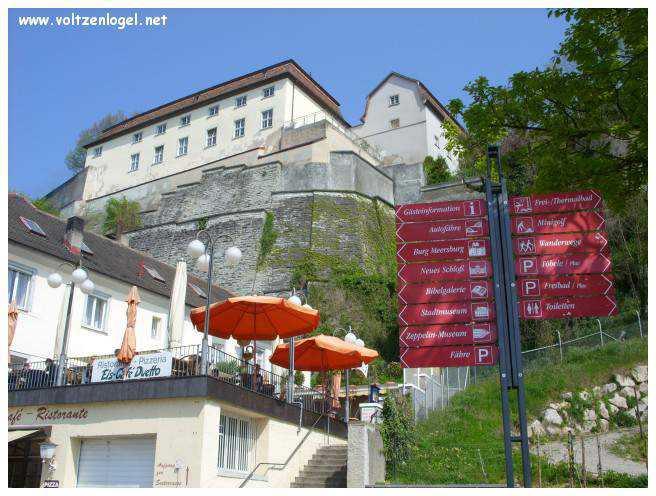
column 37, row 249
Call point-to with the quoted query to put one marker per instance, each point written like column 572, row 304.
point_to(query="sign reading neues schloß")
column 141, row 367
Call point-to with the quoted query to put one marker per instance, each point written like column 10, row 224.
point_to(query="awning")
column 16, row 435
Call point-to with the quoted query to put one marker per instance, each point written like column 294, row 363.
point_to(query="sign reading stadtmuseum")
column 141, row 367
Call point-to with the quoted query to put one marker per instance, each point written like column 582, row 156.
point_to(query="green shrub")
column 397, row 431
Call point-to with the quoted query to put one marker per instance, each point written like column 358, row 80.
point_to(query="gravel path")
column 557, row 451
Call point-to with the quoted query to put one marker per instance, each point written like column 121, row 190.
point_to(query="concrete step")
column 323, row 471
column 318, row 482
column 334, row 459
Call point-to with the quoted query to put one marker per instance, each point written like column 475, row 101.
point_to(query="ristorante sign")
column 141, row 367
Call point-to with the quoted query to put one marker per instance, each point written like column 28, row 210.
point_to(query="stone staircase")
column 327, row 468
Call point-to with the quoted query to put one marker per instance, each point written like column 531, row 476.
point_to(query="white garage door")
column 116, row 462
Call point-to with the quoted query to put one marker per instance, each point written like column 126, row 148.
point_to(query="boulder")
column 612, row 409
column 536, row 429
column 597, row 392
column 639, row 373
column 603, row 411
column 609, row 388
column 632, row 413
column 618, row 401
column 567, row 395
column 584, row 395
column 644, row 387
column 553, row 430
column 551, row 417
column 588, row 425
column 604, row 425
column 624, row 380
column 554, row 406
column 644, row 399
column 589, row 414
column 564, row 405
column 642, row 407
column 629, row 392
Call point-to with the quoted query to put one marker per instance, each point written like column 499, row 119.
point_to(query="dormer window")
column 393, row 100
column 213, row 110
column 185, row 120
column 160, row 129
column 240, row 101
column 33, row 226
column 268, row 92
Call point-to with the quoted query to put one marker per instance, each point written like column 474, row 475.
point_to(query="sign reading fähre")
column 141, row 367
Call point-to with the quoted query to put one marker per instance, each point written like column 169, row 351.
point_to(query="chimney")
column 74, row 234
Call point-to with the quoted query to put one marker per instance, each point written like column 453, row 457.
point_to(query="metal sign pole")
column 513, row 317
column 499, row 301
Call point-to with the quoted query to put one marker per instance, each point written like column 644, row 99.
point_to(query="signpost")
column 442, row 250
column 445, row 291
column 560, row 243
column 441, row 230
column 449, row 356
column 555, row 202
column 555, row 265
column 558, row 223
column 567, row 308
column 430, row 271
column 446, row 313
column 566, row 286
column 447, row 335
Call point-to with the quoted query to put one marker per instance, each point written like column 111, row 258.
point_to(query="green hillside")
column 463, row 443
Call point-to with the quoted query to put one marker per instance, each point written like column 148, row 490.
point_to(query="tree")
column 581, row 122
column 76, row 157
column 45, row 205
column 121, row 216
column 436, row 170
column 397, row 431
column 267, row 240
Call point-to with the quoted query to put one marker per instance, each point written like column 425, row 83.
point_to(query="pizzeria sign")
column 141, row 367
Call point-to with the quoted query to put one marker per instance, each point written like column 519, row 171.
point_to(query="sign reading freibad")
column 449, row 356
column 447, row 335
column 565, row 286
column 141, row 367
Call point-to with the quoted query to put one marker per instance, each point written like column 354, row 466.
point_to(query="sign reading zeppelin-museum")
column 558, row 223
column 141, row 367
column 553, row 265
column 558, row 244
column 447, row 335
column 441, row 230
column 441, row 250
column 446, row 313
column 445, row 291
column 431, row 271
column 556, row 202
column 562, row 308
column 449, row 356
column 600, row 284
column 418, row 212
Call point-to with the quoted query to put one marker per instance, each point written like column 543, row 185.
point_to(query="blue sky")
column 61, row 79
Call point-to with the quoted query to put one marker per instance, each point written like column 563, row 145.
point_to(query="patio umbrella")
column 129, row 345
column 12, row 318
column 177, row 305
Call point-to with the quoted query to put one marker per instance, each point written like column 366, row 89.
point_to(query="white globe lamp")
column 54, row 280
column 295, row 300
column 196, row 248
column 359, row 342
column 87, row 286
column 79, row 275
column 350, row 338
column 203, row 262
column 232, row 256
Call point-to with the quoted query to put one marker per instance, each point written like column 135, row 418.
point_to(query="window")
column 183, row 146
column 394, row 123
column 198, row 291
column 134, row 162
column 240, row 101
column 20, row 281
column 394, row 100
column 156, row 327
column 268, row 92
column 97, row 152
column 32, row 226
column 160, row 129
column 85, row 248
column 267, row 119
column 236, row 444
column 211, row 137
column 137, row 137
column 185, row 120
column 159, row 155
column 154, row 274
column 214, row 110
column 240, row 126
column 95, row 312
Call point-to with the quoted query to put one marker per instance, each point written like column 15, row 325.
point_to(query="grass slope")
column 464, row 442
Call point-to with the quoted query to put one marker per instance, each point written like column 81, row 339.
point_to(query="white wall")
column 436, row 141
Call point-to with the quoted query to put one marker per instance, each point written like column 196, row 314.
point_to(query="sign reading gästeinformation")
column 141, row 367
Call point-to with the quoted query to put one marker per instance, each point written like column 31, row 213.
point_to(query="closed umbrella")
column 12, row 318
column 177, row 305
column 129, row 345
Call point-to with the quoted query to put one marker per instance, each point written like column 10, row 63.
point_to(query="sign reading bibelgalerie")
column 141, row 367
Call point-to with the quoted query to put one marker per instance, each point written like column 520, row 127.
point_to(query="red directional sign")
column 430, row 271
column 565, row 286
column 445, row 291
column 446, row 313
column 556, row 202
column 418, row 212
column 554, row 265
column 560, row 243
column 449, row 356
column 565, row 308
column 558, row 223
column 443, row 250
column 445, row 229
column 446, row 335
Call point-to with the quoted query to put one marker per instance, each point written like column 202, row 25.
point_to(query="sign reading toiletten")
column 141, row 367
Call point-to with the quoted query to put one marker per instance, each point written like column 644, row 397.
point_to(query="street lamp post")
column 55, row 280
column 295, row 298
column 350, row 338
column 205, row 261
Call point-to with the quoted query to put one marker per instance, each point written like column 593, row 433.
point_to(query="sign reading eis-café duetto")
column 445, row 294
column 562, row 260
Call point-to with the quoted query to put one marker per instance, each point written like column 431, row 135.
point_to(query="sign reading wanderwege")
column 142, row 367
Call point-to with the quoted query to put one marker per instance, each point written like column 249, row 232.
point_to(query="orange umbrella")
column 321, row 353
column 129, row 345
column 12, row 318
column 261, row 318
